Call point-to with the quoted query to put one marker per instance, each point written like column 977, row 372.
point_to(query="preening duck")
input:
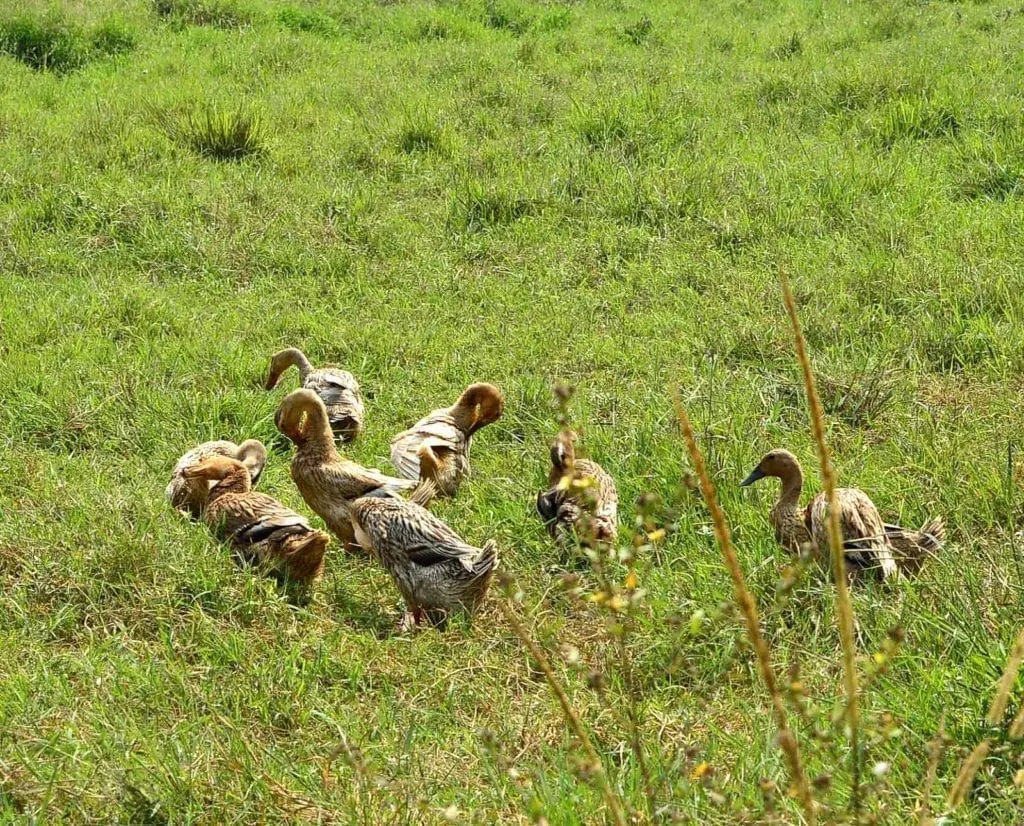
column 338, row 389
column 329, row 482
column 189, row 495
column 437, row 446
column 434, row 569
column 581, row 499
column 262, row 531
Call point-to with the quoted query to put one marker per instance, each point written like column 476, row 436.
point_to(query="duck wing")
column 350, row 481
column 401, row 529
column 437, row 430
column 252, row 517
column 865, row 543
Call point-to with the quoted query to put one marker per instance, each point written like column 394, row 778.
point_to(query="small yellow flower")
column 699, row 771
column 631, row 580
column 656, row 536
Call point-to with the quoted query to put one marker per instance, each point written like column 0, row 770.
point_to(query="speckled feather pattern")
column 339, row 391
column 450, row 445
column 566, row 514
column 434, row 569
column 189, row 495
column 263, row 531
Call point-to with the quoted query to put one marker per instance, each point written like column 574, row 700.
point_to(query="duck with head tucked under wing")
column 262, row 531
column 870, row 546
column 338, row 389
column 437, row 446
column 328, row 482
column 189, row 495
column 435, row 570
column 581, row 499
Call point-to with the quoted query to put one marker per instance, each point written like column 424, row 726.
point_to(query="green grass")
column 601, row 194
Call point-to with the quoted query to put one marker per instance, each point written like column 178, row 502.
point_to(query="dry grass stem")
column 997, row 708
column 748, row 607
column 844, row 605
column 965, row 777
column 924, row 809
column 571, row 717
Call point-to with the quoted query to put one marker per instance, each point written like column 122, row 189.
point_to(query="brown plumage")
column 581, row 498
column 913, row 548
column 434, row 569
column 865, row 542
column 437, row 446
column 189, row 495
column 328, row 482
column 262, row 531
column 337, row 388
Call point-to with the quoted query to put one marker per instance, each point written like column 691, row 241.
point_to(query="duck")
column 329, row 482
column 437, row 446
column 262, row 531
column 434, row 569
column 188, row 496
column 581, row 499
column 338, row 389
column 867, row 546
column 914, row 548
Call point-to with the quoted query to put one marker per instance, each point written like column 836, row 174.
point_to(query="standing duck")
column 328, row 481
column 866, row 543
column 338, row 389
column 437, row 446
column 434, row 569
column 189, row 495
column 581, row 497
column 262, row 530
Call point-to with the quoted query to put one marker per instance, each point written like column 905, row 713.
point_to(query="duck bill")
column 755, row 474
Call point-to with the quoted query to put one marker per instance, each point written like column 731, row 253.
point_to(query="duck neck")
column 294, row 357
column 235, row 481
column 788, row 503
column 318, row 440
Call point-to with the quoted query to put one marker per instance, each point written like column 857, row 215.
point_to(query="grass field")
column 597, row 193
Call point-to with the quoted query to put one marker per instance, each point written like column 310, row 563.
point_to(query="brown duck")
column 437, row 446
column 338, row 389
column 189, row 495
column 870, row 546
column 328, row 482
column 262, row 531
column 581, row 499
column 434, row 569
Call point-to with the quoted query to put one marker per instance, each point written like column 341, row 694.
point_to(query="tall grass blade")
column 571, row 717
column 843, row 603
column 748, row 607
column 997, row 708
column 965, row 777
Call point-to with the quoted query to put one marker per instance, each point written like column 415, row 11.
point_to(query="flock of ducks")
column 387, row 517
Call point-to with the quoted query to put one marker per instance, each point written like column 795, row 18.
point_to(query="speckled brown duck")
column 437, row 446
column 262, row 531
column 435, row 570
column 867, row 547
column 581, row 500
column 189, row 495
column 329, row 482
column 337, row 388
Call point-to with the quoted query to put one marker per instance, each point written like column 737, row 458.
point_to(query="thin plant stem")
column 997, row 708
column 844, row 604
column 571, row 717
column 748, row 607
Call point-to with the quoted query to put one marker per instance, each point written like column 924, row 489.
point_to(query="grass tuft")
column 640, row 32
column 219, row 134
column 222, row 14
column 792, row 46
column 299, row 19
column 917, row 119
column 55, row 44
column 479, row 208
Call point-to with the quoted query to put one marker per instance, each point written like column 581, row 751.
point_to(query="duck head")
column 253, row 455
column 281, row 361
column 301, row 416
column 778, row 463
column 479, row 405
column 223, row 470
